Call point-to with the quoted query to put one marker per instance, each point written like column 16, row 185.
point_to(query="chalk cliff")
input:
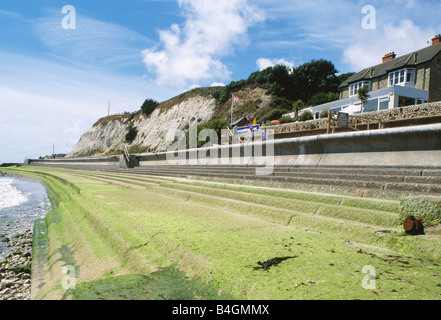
column 156, row 132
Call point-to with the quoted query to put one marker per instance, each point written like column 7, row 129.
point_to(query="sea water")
column 22, row 202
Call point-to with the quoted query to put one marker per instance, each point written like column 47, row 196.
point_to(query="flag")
column 235, row 99
column 255, row 122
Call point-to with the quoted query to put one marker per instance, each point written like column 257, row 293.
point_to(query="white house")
column 414, row 78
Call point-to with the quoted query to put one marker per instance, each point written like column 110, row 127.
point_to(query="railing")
column 344, row 120
column 231, row 138
column 339, row 119
column 368, row 120
column 126, row 153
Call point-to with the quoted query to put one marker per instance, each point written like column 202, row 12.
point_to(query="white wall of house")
column 386, row 98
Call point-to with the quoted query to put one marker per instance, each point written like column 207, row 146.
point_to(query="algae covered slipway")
column 120, row 236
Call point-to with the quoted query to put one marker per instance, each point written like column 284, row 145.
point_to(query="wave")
column 10, row 196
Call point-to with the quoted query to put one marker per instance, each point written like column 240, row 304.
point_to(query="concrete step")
column 371, row 175
column 400, row 180
column 395, row 179
column 303, row 170
column 340, row 175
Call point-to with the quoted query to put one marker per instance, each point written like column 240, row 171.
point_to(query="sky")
column 63, row 62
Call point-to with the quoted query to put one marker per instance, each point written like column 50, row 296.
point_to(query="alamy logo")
column 68, row 281
column 369, row 22
column 369, row 281
column 70, row 19
column 230, row 151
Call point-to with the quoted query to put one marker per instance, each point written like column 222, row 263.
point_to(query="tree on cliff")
column 149, row 106
column 275, row 79
column 314, row 77
column 302, row 82
column 131, row 134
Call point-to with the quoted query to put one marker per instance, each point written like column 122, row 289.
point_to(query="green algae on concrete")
column 166, row 284
column 117, row 233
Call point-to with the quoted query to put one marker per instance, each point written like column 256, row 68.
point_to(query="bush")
column 236, row 85
column 131, row 134
column 322, row 98
column 424, row 209
column 286, row 119
column 149, row 106
column 221, row 94
column 224, row 95
column 280, row 103
column 324, row 113
column 306, row 115
column 275, row 114
column 215, row 124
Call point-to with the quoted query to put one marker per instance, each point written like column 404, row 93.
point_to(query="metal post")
column 329, row 123
column 232, row 104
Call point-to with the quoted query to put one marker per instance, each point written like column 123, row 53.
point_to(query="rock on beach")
column 15, row 268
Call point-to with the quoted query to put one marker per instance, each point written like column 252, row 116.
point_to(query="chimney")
column 389, row 57
column 436, row 40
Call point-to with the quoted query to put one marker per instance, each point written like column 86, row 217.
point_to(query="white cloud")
column 333, row 30
column 93, row 41
column 192, row 52
column 264, row 63
column 217, row 84
column 11, row 14
column 372, row 45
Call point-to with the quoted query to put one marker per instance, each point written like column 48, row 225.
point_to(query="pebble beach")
column 15, row 267
column 22, row 202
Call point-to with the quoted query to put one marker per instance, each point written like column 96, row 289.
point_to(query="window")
column 371, row 105
column 384, row 104
column 402, row 77
column 353, row 88
column 410, row 75
column 357, row 108
column 405, row 101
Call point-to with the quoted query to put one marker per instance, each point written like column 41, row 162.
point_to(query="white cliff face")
column 156, row 132
column 99, row 140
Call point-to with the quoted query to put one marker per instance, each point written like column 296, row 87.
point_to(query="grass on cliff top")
column 116, row 231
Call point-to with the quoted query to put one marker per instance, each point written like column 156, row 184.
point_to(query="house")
column 414, row 78
column 239, row 123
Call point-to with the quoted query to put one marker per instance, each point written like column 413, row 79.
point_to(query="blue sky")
column 56, row 82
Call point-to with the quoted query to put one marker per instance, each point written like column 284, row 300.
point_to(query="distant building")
column 412, row 79
column 239, row 123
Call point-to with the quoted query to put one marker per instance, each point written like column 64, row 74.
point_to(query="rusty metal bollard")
column 413, row 226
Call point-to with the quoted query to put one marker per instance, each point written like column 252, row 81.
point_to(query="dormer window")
column 353, row 88
column 402, row 77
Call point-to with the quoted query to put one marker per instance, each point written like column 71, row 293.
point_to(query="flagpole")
column 232, row 104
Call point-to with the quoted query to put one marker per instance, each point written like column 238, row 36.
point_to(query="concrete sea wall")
column 417, row 146
column 409, row 146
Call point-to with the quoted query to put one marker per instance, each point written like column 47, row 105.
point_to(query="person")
column 264, row 134
column 251, row 134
